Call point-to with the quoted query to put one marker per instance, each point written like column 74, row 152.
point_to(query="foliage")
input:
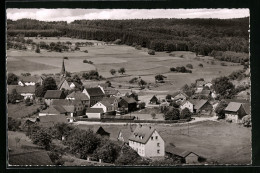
column 181, row 69
column 76, row 79
column 231, row 56
column 42, row 137
column 65, row 57
column 172, row 114
column 246, row 121
column 28, row 101
column 26, row 74
column 14, row 96
column 61, row 130
column 189, row 66
column 92, row 75
column 237, row 75
column 121, row 70
column 223, row 87
column 49, row 84
column 12, row 79
column 86, row 61
column 39, row 91
column 185, row 114
column 220, row 109
column 133, row 80
column 127, row 156
column 37, row 50
column 200, row 65
column 153, row 114
column 113, row 71
column 151, row 52
column 13, row 124
column 159, row 77
column 142, row 82
column 142, row 105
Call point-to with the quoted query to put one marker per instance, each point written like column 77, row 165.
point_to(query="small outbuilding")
column 154, row 100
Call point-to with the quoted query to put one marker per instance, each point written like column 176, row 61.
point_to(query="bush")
column 185, row 114
column 86, row 51
column 172, row 114
column 200, row 65
column 13, row 124
column 151, row 52
column 42, row 137
column 138, row 47
column 246, row 121
column 189, row 66
column 142, row 105
column 28, row 101
column 113, row 71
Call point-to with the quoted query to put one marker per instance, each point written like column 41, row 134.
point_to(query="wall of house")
column 192, row 158
column 27, row 95
column 152, row 147
column 231, row 116
column 206, row 107
column 94, row 115
column 99, row 105
column 48, row 101
column 187, row 105
column 138, row 147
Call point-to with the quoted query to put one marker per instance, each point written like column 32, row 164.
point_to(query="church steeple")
column 63, row 71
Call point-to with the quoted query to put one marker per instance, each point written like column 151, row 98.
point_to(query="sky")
column 70, row 15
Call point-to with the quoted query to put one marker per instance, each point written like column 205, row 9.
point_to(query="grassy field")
column 219, row 142
column 20, row 110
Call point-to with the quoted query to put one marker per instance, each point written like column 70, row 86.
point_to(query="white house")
column 107, row 104
column 235, row 112
column 147, row 142
column 188, row 104
column 94, row 113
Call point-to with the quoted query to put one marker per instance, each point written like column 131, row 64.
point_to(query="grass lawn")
column 19, row 110
column 220, row 142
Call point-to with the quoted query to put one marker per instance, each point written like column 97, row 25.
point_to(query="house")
column 24, row 91
column 199, row 86
column 64, row 84
column 187, row 157
column 190, row 104
column 179, row 96
column 203, row 107
column 51, row 95
column 124, row 135
column 108, row 104
column 111, row 92
column 235, row 111
column 77, row 95
column 128, row 104
column 94, row 113
column 94, row 94
column 154, row 100
column 147, row 142
column 29, row 80
column 77, row 105
column 205, row 93
column 100, row 131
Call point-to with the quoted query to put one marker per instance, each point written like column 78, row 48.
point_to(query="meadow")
column 218, row 141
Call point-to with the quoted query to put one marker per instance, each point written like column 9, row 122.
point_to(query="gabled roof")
column 111, row 91
column 200, row 103
column 30, row 78
column 54, row 94
column 95, row 91
column 129, row 100
column 233, row 106
column 69, row 108
column 78, row 96
column 21, row 89
column 192, row 101
column 142, row 134
column 61, row 83
column 178, row 151
column 54, row 110
column 126, row 133
column 94, row 110
column 179, row 92
column 63, row 102
column 154, row 98
column 111, row 100
column 105, row 103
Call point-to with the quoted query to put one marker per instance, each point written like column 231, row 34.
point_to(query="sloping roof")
column 129, row 100
column 247, row 108
column 61, row 83
column 126, row 133
column 106, row 103
column 77, row 85
column 63, row 102
column 200, row 83
column 179, row 92
column 54, row 110
column 52, row 119
column 32, row 157
column 111, row 91
column 78, row 96
column 29, row 78
column 192, row 101
column 142, row 134
column 95, row 91
column 104, row 85
column 154, row 98
column 54, row 94
column 21, row 89
column 60, row 109
column 236, row 100
column 69, row 108
column 177, row 151
column 111, row 100
column 200, row 103
column 94, row 110
column 233, row 106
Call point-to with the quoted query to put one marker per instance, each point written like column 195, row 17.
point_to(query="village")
column 71, row 102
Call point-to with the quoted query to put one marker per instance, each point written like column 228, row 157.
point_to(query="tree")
column 13, row 124
column 127, row 156
column 153, row 114
column 142, row 105
column 159, row 77
column 108, row 152
column 189, row 66
column 113, row 71
column 121, row 70
column 168, row 97
column 26, row 74
column 61, row 130
column 76, row 79
column 37, row 50
column 185, row 114
column 200, row 65
column 42, row 137
column 142, row 82
column 172, row 114
column 223, row 87
column 109, row 83
column 220, row 109
column 28, row 101
column 39, row 91
column 246, row 121
column 151, row 52
column 13, row 96
column 12, row 79
column 49, row 84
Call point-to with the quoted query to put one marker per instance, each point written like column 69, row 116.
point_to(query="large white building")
column 147, row 142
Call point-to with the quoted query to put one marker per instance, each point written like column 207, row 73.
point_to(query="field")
column 19, row 110
column 107, row 57
column 218, row 142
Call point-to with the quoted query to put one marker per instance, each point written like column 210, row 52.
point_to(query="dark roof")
column 78, row 96
column 55, row 109
column 111, row 91
column 233, row 106
column 106, row 103
column 94, row 110
column 236, row 100
column 154, row 98
column 178, row 151
column 200, row 83
column 54, row 94
column 95, row 91
column 69, row 108
column 200, row 103
column 142, row 134
column 21, row 89
column 111, row 100
column 31, row 157
column 129, row 100
column 30, row 78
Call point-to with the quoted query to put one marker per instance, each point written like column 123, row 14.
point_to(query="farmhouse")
column 51, row 95
column 94, row 94
column 128, row 104
column 24, row 91
column 94, row 113
column 235, row 112
column 179, row 96
column 154, row 100
column 77, row 95
column 30, row 80
column 208, row 84
column 147, row 142
column 111, row 92
column 187, row 157
column 203, row 106
column 77, row 106
column 190, row 104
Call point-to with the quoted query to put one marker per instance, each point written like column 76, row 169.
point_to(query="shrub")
column 28, row 101
column 42, row 137
column 246, row 121
column 189, row 66
column 200, row 65
column 113, row 71
column 138, row 47
column 86, row 51
column 13, row 124
column 153, row 114
column 185, row 114
column 172, row 114
column 142, row 105
column 151, row 52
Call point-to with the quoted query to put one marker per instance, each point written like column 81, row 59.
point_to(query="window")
column 158, row 144
column 156, row 137
column 151, row 138
column 158, row 151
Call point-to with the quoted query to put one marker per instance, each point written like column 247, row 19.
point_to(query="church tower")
column 63, row 71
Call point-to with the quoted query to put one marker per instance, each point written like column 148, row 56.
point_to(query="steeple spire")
column 63, row 71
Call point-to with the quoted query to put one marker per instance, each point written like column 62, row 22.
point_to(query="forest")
column 203, row 36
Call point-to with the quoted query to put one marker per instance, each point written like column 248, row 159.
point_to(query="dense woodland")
column 204, row 36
